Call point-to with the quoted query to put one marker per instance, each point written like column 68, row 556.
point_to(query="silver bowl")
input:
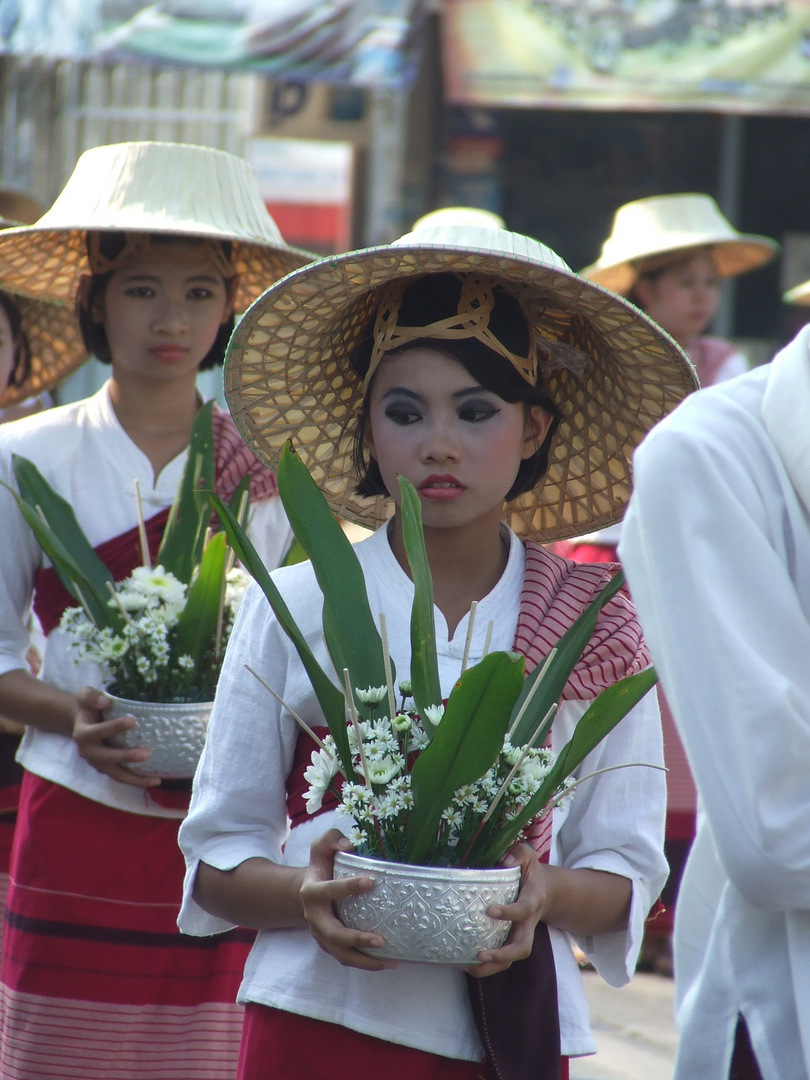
column 173, row 733
column 428, row 914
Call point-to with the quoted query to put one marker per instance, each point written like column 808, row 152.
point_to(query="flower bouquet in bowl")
column 159, row 634
column 428, row 788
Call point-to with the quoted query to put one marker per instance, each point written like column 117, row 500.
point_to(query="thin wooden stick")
column 146, row 558
column 532, row 692
column 356, row 725
column 488, row 638
column 468, row 642
column 301, row 723
column 389, row 678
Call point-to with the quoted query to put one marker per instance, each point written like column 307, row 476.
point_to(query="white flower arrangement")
column 145, row 660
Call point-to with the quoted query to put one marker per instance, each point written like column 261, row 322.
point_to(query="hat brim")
column 48, row 263
column 288, row 376
column 731, row 258
column 56, row 345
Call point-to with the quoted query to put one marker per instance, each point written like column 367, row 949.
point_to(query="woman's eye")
column 200, row 293
column 476, row 413
column 140, row 291
column 402, row 414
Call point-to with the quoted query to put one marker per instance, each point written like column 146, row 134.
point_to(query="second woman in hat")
column 158, row 245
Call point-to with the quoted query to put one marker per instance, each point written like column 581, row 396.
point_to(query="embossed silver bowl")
column 174, row 735
column 429, row 914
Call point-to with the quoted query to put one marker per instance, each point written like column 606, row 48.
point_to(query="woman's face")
column 458, row 443
column 162, row 313
column 7, row 350
column 683, row 298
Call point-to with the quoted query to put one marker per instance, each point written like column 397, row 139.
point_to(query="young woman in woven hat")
column 669, row 255
column 484, row 370
column 157, row 245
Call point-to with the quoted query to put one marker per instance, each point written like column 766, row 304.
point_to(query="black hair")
column 434, row 297
column 22, row 347
column 93, row 333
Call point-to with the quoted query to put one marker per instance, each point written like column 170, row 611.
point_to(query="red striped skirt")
column 97, row 982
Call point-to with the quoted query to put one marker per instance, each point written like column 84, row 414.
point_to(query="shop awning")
column 365, row 43
column 736, row 56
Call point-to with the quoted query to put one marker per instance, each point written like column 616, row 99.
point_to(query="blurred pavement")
column 634, row 1028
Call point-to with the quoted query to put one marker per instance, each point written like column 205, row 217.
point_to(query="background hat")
column 459, row 215
column 149, row 187
column 671, row 223
column 799, row 294
column 288, row 375
column 56, row 346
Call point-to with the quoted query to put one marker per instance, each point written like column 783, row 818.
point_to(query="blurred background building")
column 360, row 116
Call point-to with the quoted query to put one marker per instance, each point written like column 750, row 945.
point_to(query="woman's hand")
column 90, row 732
column 318, row 893
column 524, row 913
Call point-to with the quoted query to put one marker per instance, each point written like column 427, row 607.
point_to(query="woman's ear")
column 368, row 437
column 231, row 289
column 538, row 421
column 93, row 305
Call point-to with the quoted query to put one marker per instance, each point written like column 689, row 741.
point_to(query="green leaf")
column 465, row 744
column 351, row 633
column 601, row 717
column 329, row 697
column 197, row 625
column 569, row 649
column 424, row 663
column 184, row 536
column 60, row 536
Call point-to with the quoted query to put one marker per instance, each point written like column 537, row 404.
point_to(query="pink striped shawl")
column 234, row 459
column 555, row 591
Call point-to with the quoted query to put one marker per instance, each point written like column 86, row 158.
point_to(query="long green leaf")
column 465, row 744
column 569, row 650
column 349, row 627
column 424, row 664
column 197, row 625
column 60, row 536
column 601, row 717
column 329, row 697
column 184, row 536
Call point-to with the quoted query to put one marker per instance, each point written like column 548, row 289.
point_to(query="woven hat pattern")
column 168, row 188
column 287, row 376
column 56, row 348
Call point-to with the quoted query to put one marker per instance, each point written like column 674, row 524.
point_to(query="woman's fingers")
column 318, row 894
column 91, row 732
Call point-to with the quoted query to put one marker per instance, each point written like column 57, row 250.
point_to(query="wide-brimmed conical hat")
column 56, row 348
column 663, row 224
column 288, row 375
column 149, row 187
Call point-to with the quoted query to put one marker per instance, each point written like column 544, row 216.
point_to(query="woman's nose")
column 439, row 444
column 171, row 317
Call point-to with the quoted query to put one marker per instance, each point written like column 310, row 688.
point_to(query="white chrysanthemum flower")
column 418, row 740
column 185, row 662
column 406, row 688
column 383, row 770
column 236, row 583
column 319, row 775
column 434, row 714
column 401, row 723
column 157, row 583
column 453, row 817
column 373, row 695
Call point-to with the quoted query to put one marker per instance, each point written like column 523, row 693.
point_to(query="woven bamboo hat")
column 55, row 344
column 288, row 374
column 799, row 294
column 459, row 216
column 149, row 187
column 666, row 224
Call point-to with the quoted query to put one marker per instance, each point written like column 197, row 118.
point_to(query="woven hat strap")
column 475, row 305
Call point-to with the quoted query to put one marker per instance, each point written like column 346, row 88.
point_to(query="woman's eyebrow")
column 403, row 391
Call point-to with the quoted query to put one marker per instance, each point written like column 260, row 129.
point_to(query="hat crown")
column 458, row 216
column 486, row 241
column 666, row 222
column 163, row 187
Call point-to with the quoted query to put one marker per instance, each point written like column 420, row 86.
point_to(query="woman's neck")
column 466, row 563
column 157, row 416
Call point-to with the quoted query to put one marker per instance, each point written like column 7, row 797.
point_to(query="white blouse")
column 87, row 457
column 238, row 811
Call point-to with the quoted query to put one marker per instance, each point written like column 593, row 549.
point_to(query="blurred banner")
column 746, row 56
column 350, row 42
